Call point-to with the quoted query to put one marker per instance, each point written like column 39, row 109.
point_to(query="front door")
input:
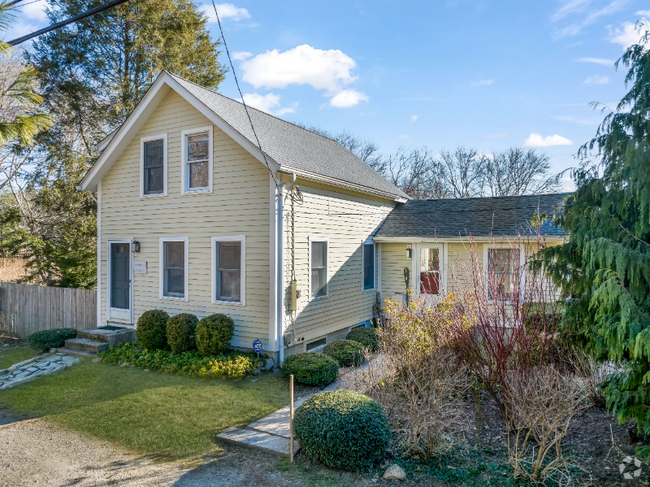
column 120, row 281
column 429, row 273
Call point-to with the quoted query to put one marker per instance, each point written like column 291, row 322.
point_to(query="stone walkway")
column 35, row 367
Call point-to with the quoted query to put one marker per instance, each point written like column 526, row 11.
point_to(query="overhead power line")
column 58, row 25
column 234, row 74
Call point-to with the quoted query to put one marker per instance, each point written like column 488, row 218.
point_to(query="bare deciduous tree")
column 518, row 171
column 414, row 172
column 462, row 172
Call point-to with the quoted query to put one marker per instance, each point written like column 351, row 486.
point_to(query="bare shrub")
column 540, row 403
column 417, row 379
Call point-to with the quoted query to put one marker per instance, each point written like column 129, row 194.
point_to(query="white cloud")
column 330, row 71
column 642, row 13
column 596, row 60
column 267, row 103
column 348, row 98
column 241, row 55
column 483, row 82
column 628, row 33
column 226, row 11
column 536, row 140
column 35, row 10
column 588, row 11
column 414, row 118
column 597, row 80
column 403, row 137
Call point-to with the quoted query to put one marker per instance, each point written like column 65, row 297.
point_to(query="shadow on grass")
column 170, row 417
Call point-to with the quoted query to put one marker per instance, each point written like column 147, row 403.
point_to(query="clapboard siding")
column 239, row 205
column 347, row 219
column 393, row 262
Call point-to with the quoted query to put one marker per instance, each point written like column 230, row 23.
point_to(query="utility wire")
column 58, row 25
column 234, row 74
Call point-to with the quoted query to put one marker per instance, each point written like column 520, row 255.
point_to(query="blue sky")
column 486, row 74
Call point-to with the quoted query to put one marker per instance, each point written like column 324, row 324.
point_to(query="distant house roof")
column 505, row 215
column 289, row 147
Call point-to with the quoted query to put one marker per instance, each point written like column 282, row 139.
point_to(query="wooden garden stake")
column 291, row 417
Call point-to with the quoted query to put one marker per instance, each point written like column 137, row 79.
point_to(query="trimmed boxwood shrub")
column 180, row 332
column 214, row 333
column 152, row 329
column 56, row 338
column 314, row 369
column 365, row 336
column 342, row 429
column 347, row 353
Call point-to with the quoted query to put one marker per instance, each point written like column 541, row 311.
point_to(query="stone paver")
column 33, row 368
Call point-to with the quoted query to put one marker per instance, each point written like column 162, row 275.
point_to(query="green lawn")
column 153, row 413
column 15, row 355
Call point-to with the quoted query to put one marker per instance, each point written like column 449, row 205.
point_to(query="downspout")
column 280, row 275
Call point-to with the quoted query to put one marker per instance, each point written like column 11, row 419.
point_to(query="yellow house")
column 296, row 242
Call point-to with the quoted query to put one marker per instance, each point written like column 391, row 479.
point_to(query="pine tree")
column 604, row 269
column 93, row 73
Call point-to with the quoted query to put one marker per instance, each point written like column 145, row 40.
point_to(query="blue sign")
column 257, row 346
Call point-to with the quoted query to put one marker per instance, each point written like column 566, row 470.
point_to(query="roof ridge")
column 495, row 197
column 260, row 111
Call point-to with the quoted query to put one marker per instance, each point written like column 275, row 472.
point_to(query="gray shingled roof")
column 505, row 215
column 292, row 146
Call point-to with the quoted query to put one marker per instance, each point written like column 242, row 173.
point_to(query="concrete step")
column 112, row 335
column 77, row 353
column 85, row 345
column 275, row 445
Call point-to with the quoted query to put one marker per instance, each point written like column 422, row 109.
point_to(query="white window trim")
column 242, row 292
column 161, row 268
column 185, row 180
column 442, row 257
column 118, row 313
column 149, row 139
column 363, row 266
column 486, row 249
column 319, row 238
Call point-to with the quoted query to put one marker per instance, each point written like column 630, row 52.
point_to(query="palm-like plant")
column 20, row 119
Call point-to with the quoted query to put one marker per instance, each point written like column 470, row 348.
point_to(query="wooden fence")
column 25, row 309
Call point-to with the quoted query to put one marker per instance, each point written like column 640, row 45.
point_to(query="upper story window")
column 174, row 267
column 368, row 266
column 197, row 160
column 318, row 263
column 229, row 269
column 153, row 165
column 502, row 272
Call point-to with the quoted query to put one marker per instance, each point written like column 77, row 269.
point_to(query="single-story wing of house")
column 296, row 241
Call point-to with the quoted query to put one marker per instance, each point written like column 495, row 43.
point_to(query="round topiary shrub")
column 342, row 429
column 152, row 329
column 181, row 331
column 365, row 336
column 214, row 333
column 347, row 353
column 56, row 338
column 314, row 369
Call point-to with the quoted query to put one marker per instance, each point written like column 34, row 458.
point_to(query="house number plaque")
column 140, row 267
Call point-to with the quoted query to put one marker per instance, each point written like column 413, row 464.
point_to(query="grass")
column 167, row 416
column 15, row 355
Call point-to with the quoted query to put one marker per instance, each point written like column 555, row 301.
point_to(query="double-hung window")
column 368, row 266
column 229, row 269
column 174, row 268
column 153, row 165
column 197, row 160
column 318, row 266
column 502, row 272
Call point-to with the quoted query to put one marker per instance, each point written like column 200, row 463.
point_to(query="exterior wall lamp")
column 135, row 246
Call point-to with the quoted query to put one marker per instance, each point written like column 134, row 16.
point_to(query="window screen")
column 174, row 269
column 228, row 255
column 318, row 269
column 198, row 147
column 368, row 266
column 154, row 175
